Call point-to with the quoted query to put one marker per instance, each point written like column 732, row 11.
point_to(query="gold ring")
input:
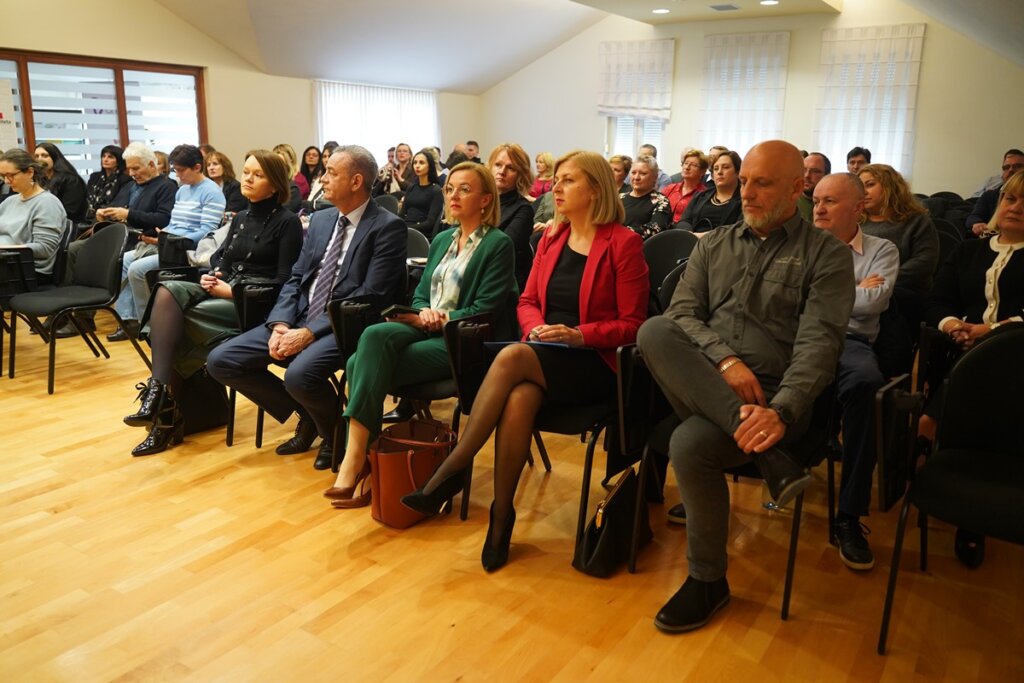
column 764, row 434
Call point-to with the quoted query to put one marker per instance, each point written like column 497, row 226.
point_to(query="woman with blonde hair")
column 510, row 165
column 545, row 167
column 287, row 152
column 894, row 213
column 469, row 270
column 588, row 288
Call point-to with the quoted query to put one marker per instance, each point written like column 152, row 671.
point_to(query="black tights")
column 166, row 327
column 508, row 401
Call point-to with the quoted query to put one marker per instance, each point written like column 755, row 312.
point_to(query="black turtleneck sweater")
column 264, row 241
column 517, row 223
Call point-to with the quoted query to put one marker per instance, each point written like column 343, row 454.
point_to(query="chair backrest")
column 668, row 286
column 349, row 317
column 60, row 263
column 981, row 406
column 947, row 226
column 253, row 302
column 946, row 194
column 936, row 206
column 642, row 404
column 666, row 250
column 99, row 261
column 947, row 243
column 468, row 357
column 388, row 203
column 417, row 245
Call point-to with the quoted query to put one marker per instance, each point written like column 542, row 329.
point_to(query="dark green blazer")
column 488, row 285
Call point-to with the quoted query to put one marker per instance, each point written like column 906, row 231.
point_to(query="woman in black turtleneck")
column 510, row 166
column 188, row 319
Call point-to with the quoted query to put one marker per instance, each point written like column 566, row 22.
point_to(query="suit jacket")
column 613, row 294
column 374, row 266
column 488, row 283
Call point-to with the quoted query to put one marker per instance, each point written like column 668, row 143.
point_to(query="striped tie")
column 324, row 284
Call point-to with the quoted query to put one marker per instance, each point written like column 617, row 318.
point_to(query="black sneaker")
column 677, row 514
column 853, row 547
column 693, row 605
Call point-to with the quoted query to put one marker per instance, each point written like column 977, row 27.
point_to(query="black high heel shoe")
column 495, row 557
column 168, row 429
column 431, row 503
column 151, row 394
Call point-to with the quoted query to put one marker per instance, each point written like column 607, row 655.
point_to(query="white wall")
column 551, row 104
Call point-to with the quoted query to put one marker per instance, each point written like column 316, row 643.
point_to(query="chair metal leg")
column 543, row 451
column 14, row 337
column 259, row 428
column 831, row 469
column 794, row 537
column 229, row 437
column 641, row 499
column 133, row 340
column 894, row 569
column 922, row 522
column 53, row 362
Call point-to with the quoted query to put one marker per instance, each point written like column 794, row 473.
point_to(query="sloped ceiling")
column 468, row 46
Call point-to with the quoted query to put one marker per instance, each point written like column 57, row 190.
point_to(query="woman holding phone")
column 470, row 269
column 188, row 319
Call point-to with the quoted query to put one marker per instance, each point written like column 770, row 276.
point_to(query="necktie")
column 325, row 278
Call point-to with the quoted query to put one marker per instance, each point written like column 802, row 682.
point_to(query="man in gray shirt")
column 838, row 205
column 750, row 339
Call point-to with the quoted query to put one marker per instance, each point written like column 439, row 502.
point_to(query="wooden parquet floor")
column 208, row 563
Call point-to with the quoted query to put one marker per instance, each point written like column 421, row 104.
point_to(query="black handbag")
column 173, row 250
column 203, row 402
column 606, row 540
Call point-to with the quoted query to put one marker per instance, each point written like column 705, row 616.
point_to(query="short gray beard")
column 769, row 219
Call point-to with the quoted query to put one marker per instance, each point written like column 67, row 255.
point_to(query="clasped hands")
column 286, row 341
column 760, row 426
column 557, row 334
column 427, row 319
column 964, row 334
column 213, row 285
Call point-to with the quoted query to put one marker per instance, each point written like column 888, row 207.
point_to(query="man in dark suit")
column 354, row 249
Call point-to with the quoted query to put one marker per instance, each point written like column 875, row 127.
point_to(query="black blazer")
column 374, row 265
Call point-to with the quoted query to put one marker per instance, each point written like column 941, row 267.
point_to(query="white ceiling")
column 468, row 46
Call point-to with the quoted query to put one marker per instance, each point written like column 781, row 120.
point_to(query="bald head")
column 838, row 204
column 772, row 178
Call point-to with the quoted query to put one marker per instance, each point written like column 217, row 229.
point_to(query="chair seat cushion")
column 51, row 301
column 427, row 391
column 573, row 419
column 975, row 490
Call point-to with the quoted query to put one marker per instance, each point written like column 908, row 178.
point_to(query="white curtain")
column 376, row 117
column 869, row 92
column 636, row 78
column 744, row 89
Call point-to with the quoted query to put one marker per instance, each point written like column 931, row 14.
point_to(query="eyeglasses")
column 1013, row 167
column 691, row 165
column 7, row 176
column 462, row 190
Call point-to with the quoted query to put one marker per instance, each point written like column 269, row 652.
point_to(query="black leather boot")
column 785, row 479
column 151, row 394
column 168, row 429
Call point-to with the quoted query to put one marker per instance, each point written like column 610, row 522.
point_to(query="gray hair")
column 853, row 180
column 651, row 162
column 362, row 161
column 137, row 150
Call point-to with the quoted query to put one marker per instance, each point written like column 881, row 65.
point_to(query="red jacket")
column 613, row 295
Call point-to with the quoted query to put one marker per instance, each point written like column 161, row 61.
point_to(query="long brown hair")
column 899, row 202
column 520, row 162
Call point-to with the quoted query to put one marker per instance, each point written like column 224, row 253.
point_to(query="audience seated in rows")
column 838, row 207
column 652, row 151
column 355, row 249
column 287, row 152
column 423, row 202
column 544, row 165
column 188, row 319
column 103, row 185
column 221, row 171
column 397, row 176
column 63, row 180
column 742, row 360
column 470, row 270
column 34, row 217
column 857, row 158
column 977, row 221
column 694, row 164
column 816, row 167
column 198, row 210
column 621, row 167
column 719, row 204
column 648, row 211
column 588, row 288
column 310, row 168
column 513, row 176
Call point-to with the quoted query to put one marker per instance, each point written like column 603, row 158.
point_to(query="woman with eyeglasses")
column 34, row 217
column 694, row 165
column 586, row 296
column 469, row 270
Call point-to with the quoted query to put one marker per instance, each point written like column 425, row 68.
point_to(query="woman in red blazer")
column 587, row 294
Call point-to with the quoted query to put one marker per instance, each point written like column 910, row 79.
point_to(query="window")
column 376, row 117
column 744, row 89
column 82, row 104
column 626, row 134
column 868, row 94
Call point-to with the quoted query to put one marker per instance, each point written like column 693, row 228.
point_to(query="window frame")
column 638, row 134
column 23, row 57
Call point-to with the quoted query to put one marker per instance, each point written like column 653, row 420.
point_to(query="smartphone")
column 397, row 310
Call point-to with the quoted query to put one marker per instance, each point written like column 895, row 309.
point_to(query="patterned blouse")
column 446, row 280
column 647, row 215
column 102, row 189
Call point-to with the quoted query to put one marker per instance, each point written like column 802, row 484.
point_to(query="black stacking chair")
column 947, row 243
column 388, row 203
column 253, row 302
column 663, row 253
column 668, row 286
column 94, row 285
column 943, row 225
column 952, row 197
column 974, row 478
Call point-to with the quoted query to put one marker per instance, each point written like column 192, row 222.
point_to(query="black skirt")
column 575, row 375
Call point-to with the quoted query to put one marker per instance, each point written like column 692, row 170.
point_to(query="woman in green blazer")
column 470, row 270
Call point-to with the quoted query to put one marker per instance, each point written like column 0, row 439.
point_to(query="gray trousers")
column 702, row 445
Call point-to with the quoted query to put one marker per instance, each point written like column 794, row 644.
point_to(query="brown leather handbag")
column 401, row 460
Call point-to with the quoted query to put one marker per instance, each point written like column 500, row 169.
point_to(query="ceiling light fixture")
column 769, row 3
column 660, row 11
